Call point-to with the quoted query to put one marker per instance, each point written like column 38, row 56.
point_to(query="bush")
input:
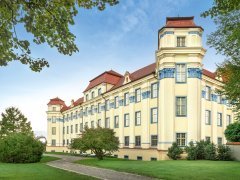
column 20, row 148
column 224, row 153
column 200, row 149
column 174, row 151
column 210, row 151
column 191, row 151
column 232, row 132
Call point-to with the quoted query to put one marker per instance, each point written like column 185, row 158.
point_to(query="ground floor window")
column 125, row 156
column 181, row 139
column 137, row 140
column 126, row 141
column 219, row 141
column 154, row 140
column 208, row 138
column 153, row 159
column 53, row 142
column 139, row 158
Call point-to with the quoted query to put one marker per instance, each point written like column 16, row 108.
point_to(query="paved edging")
column 66, row 163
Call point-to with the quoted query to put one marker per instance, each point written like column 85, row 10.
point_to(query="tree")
column 20, row 148
column 14, row 121
column 100, row 141
column 174, row 152
column 47, row 20
column 226, row 40
column 232, row 133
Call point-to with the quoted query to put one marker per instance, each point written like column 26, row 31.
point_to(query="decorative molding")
column 194, row 73
column 166, row 32
column 167, row 73
column 146, row 95
column 195, row 32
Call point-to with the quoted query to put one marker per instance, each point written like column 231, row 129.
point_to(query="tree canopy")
column 232, row 132
column 100, row 141
column 48, row 21
column 226, row 41
column 13, row 121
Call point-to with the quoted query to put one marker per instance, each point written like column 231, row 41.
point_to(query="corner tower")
column 179, row 66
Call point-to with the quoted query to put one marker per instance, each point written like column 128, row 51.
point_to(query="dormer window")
column 54, row 109
column 127, row 78
column 181, row 41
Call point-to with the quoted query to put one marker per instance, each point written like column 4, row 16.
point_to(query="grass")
column 37, row 171
column 181, row 169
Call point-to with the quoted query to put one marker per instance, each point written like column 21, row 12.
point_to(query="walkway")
column 66, row 163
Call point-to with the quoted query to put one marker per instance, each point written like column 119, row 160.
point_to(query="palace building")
column 172, row 100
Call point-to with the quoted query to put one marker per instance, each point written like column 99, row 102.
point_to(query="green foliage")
column 224, row 153
column 174, row 152
column 210, row 151
column 100, row 141
column 20, row 148
column 191, row 151
column 226, row 40
column 48, row 21
column 14, row 121
column 232, row 133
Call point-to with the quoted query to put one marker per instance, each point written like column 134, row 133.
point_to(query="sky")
column 122, row 38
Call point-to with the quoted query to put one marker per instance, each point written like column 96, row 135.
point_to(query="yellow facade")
column 170, row 104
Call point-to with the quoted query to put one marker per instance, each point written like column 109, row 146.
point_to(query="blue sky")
column 123, row 37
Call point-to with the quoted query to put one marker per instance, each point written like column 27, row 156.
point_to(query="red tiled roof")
column 209, row 74
column 78, row 102
column 64, row 108
column 110, row 77
column 56, row 101
column 180, row 22
column 143, row 72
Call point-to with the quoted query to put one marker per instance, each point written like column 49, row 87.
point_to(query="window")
column 71, row 129
column 92, row 124
column 53, row 130
column 126, row 120
column 181, row 106
column 154, row 140
column 53, row 119
column 154, row 115
column 99, row 122
column 116, row 122
column 181, row 73
column 93, row 94
column 54, row 109
column 86, row 124
column 116, row 99
column 138, row 118
column 87, row 97
column 126, row 141
column 92, row 109
column 153, row 159
column 67, row 141
column 207, row 117
column 139, row 158
column 126, row 99
column 63, row 142
column 125, row 156
column 208, row 138
column 76, row 128
column 228, row 119
column 71, row 116
column 99, row 91
column 219, row 141
column 81, row 127
column 154, row 90
column 63, row 130
column 208, row 93
column 219, row 119
column 107, row 123
column 107, row 105
column 137, row 95
column 53, row 142
column 137, row 140
column 219, row 99
column 76, row 114
column 67, row 129
column 181, row 139
column 99, row 106
column 180, row 41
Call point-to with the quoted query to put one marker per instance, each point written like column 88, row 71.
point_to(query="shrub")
column 224, row 153
column 232, row 132
column 191, row 151
column 200, row 149
column 20, row 148
column 210, row 151
column 174, row 151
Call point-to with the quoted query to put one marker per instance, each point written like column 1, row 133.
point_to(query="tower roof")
column 180, row 22
column 56, row 101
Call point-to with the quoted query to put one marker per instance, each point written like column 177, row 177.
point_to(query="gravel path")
column 66, row 163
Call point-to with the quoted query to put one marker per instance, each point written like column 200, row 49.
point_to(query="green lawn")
column 36, row 171
column 181, row 169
